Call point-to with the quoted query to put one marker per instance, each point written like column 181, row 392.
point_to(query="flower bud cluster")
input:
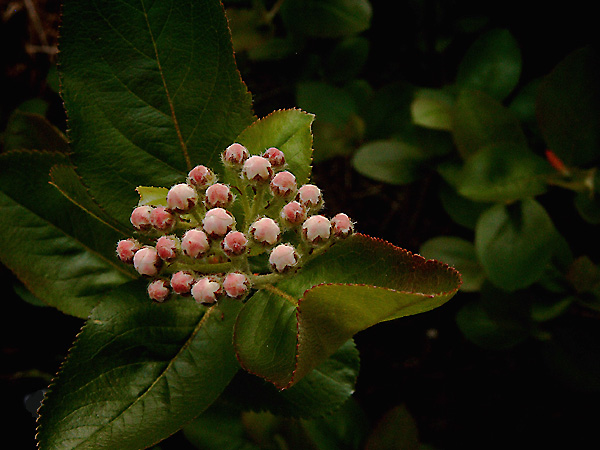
column 191, row 244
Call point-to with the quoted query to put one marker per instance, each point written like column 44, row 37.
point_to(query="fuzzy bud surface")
column 126, row 249
column 283, row 257
column 166, row 247
column 234, row 243
column 206, row 290
column 162, row 219
column 257, row 168
column 218, row 222
column 265, row 231
column 293, row 213
column 275, row 156
column 316, row 229
column 283, row 184
column 158, row 290
column 181, row 282
column 341, row 225
column 236, row 284
column 235, row 154
column 146, row 261
column 309, row 195
column 218, row 195
column 201, row 176
column 140, row 217
column 181, row 197
column 195, row 243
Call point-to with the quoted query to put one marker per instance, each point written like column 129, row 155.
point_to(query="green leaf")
column 329, row 103
column 568, row 108
column 491, row 65
column 515, row 243
column 64, row 255
column 357, row 283
column 458, row 253
column 150, row 89
column 461, row 210
column 137, row 374
column 479, row 121
column 29, row 131
column 503, row 172
column 396, row 430
column 432, row 109
column 388, row 111
column 347, row 59
column 390, row 161
column 326, row 18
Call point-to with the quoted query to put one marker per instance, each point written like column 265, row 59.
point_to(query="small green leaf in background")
column 329, row 103
column 432, row 109
column 491, row 65
column 29, row 131
column 396, row 430
column 347, row 59
column 515, row 243
column 388, row 111
column 460, row 209
column 568, row 108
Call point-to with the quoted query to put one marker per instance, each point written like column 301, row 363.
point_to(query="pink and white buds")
column 195, row 243
column 293, row 213
column 275, row 156
column 309, row 196
column 265, row 231
column 166, row 247
column 218, row 195
column 341, row 225
column 162, row 219
column 201, row 177
column 126, row 249
column 316, row 229
column 258, row 169
column 206, row 290
column 283, row 257
column 140, row 217
column 181, row 197
column 181, row 282
column 235, row 155
column 147, row 262
column 158, row 290
column 236, row 284
column 218, row 222
column 283, row 184
column 234, row 243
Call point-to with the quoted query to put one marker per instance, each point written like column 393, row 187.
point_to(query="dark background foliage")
column 460, row 395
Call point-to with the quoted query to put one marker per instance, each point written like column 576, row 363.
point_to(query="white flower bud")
column 316, row 229
column 275, row 156
column 236, row 284
column 235, row 155
column 181, row 198
column 341, row 225
column 140, row 217
column 257, row 168
column 162, row 219
column 181, row 282
column 283, row 257
column 206, row 290
column 201, row 176
column 166, row 247
column 310, row 197
column 195, row 243
column 293, row 213
column 158, row 290
column 218, row 222
column 146, row 261
column 283, row 184
column 234, row 243
column 218, row 195
column 126, row 249
column 265, row 231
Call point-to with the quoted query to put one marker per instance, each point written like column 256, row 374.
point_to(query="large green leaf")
column 358, row 283
column 137, row 374
column 151, row 89
column 64, row 255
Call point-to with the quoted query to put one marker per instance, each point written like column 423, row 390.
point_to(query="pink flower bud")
column 162, row 219
column 218, row 195
column 181, row 198
column 146, row 261
column 195, row 243
column 265, row 231
column 293, row 213
column 234, row 243
column 236, row 284
column 126, row 249
column 201, row 176
column 342, row 225
column 158, row 290
column 275, row 156
column 140, row 217
column 235, row 155
column 309, row 195
column 166, row 247
column 283, row 257
column 283, row 184
column 316, row 229
column 257, row 168
column 181, row 282
column 217, row 222
column 206, row 290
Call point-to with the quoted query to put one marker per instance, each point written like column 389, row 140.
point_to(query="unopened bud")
column 283, row 184
column 309, row 195
column 158, row 290
column 293, row 213
column 146, row 261
column 265, row 231
column 258, row 169
column 195, row 243
column 206, row 290
column 217, row 222
column 341, row 225
column 236, row 284
column 234, row 243
column 316, row 229
column 283, row 257
column 140, row 217
column 126, row 249
column 166, row 247
column 218, row 195
column 162, row 219
column 275, row 156
column 201, row 177
column 181, row 198
column 235, row 155
column 181, row 282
